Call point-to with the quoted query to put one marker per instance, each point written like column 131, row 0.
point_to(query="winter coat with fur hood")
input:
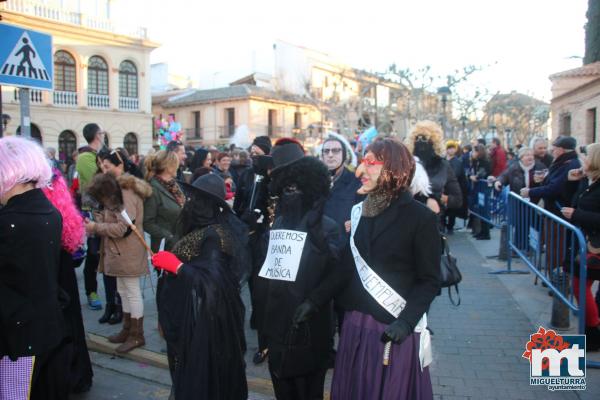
column 121, row 252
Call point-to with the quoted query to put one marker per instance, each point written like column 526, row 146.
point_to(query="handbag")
column 450, row 274
column 295, row 357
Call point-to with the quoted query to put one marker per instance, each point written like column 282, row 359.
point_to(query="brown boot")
column 121, row 337
column 136, row 336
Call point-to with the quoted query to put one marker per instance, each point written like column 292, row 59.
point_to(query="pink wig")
column 60, row 196
column 21, row 161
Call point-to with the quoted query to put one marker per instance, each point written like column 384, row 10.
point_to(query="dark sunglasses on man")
column 332, row 151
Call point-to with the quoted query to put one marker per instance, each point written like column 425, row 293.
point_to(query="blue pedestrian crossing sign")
column 25, row 58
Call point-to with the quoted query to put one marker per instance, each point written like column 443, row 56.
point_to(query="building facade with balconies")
column 100, row 75
column 211, row 117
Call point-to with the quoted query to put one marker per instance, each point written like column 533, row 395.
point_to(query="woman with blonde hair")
column 425, row 143
column 162, row 208
column 585, row 213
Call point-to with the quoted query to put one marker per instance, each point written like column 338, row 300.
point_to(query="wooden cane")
column 135, row 230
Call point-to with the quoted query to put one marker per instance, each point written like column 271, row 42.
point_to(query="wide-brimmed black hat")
column 285, row 154
column 211, row 185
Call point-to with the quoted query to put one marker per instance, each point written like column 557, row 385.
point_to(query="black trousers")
column 305, row 387
column 110, row 290
column 90, row 268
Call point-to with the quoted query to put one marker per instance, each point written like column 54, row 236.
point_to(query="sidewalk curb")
column 100, row 344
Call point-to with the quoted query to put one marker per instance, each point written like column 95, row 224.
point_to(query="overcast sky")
column 219, row 41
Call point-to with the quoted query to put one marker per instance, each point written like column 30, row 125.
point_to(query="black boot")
column 108, row 310
column 592, row 336
column 117, row 315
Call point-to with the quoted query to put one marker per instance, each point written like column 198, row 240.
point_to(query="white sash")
column 384, row 294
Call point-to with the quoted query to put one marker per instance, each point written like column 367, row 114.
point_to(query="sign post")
column 25, row 62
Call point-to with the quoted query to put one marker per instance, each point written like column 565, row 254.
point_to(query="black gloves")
column 396, row 332
column 303, row 313
column 250, row 218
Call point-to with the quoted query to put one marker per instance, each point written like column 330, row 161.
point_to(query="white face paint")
column 332, row 153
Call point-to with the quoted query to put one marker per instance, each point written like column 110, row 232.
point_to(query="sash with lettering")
column 384, row 294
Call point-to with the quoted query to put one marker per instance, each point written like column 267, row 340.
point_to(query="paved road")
column 110, row 385
column 477, row 347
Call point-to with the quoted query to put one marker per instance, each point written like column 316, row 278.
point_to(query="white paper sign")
column 283, row 255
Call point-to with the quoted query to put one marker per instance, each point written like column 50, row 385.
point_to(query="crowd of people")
column 334, row 243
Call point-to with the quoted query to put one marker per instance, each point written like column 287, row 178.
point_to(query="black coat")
column 202, row 316
column 31, row 320
column 402, row 245
column 514, row 176
column 342, row 198
column 281, row 298
column 557, row 190
column 443, row 181
column 587, row 217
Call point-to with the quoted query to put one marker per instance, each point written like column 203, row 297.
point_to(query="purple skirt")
column 15, row 378
column 359, row 370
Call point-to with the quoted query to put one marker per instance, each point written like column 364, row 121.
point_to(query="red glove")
column 167, row 261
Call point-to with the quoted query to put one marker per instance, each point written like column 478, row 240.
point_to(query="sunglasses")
column 332, row 151
column 370, row 163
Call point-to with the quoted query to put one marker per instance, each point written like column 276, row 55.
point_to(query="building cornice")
column 576, row 90
column 75, row 31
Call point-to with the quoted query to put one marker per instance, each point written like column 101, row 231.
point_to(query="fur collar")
column 138, row 186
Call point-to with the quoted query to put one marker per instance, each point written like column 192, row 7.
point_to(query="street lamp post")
column 463, row 121
column 443, row 95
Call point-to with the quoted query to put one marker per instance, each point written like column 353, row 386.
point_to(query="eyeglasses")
column 332, row 151
column 421, row 138
column 370, row 163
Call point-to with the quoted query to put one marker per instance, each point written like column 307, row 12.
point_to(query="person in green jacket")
column 86, row 168
column 162, row 208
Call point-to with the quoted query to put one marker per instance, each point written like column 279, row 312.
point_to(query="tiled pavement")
column 477, row 346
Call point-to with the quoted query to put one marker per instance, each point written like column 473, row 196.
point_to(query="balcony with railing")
column 274, row 131
column 42, row 10
column 129, row 103
column 35, row 96
column 226, row 131
column 193, row 134
column 64, row 99
column 98, row 101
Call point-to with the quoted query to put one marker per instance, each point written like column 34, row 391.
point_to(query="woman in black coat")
column 200, row 308
column 391, row 276
column 585, row 213
column 481, row 168
column 31, row 322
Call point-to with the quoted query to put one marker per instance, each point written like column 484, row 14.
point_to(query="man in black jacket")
column 298, row 332
column 253, row 194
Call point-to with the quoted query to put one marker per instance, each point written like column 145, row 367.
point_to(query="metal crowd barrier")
column 552, row 248
column 487, row 203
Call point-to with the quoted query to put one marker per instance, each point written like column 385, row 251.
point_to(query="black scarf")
column 562, row 159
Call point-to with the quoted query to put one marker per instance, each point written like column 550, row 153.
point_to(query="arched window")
column 67, row 144
column 35, row 132
column 65, row 77
column 128, row 80
column 130, row 142
column 97, row 76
